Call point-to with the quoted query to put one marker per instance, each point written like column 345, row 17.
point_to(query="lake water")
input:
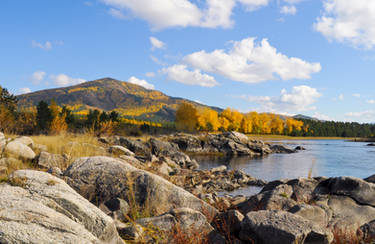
column 322, row 157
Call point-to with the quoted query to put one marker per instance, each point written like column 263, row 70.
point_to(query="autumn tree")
column 234, row 117
column 277, row 124
column 247, row 124
column 7, row 100
column 186, row 117
column 293, row 125
column 208, row 119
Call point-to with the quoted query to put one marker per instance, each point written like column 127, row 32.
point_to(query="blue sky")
column 314, row 57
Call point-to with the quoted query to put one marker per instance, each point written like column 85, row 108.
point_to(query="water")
column 322, row 157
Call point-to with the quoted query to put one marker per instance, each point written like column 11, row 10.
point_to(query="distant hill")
column 108, row 94
column 301, row 116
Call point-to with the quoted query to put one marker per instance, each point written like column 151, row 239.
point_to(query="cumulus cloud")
column 251, row 62
column 162, row 14
column 46, row 46
column 288, row 10
column 348, row 21
column 24, row 90
column 38, row 77
column 65, row 80
column 180, row 73
column 156, row 43
column 144, row 83
column 300, row 99
column 364, row 116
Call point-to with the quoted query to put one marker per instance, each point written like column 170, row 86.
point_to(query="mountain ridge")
column 108, row 94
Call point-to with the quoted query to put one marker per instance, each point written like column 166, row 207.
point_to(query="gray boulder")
column 40, row 208
column 100, row 179
column 136, row 146
column 274, row 227
column 48, row 160
column 19, row 150
column 120, row 150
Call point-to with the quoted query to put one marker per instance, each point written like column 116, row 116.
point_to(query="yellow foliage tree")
column 234, row 117
column 208, row 119
column 292, row 124
column 55, row 109
column 247, row 124
column 277, row 124
column 186, row 117
column 58, row 124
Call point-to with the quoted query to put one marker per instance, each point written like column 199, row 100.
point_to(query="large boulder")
column 120, row 150
column 19, row 150
column 40, row 208
column 100, row 179
column 25, row 140
column 274, row 227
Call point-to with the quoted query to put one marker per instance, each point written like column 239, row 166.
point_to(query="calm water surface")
column 323, row 157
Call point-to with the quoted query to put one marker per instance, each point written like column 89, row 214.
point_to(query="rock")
column 281, row 149
column 56, row 171
column 276, row 199
column 104, row 140
column 2, row 142
column 19, row 150
column 229, row 222
column 281, row 227
column 136, row 146
column 118, row 209
column 370, row 179
column 299, row 148
column 371, row 144
column 25, row 140
column 313, row 213
column 190, row 219
column 3, row 170
column 368, row 231
column 171, row 150
column 219, row 169
column 120, row 150
column 48, row 160
column 40, row 208
column 131, row 231
column 132, row 161
column 359, row 190
column 100, row 179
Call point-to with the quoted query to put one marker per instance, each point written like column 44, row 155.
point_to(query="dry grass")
column 72, row 145
column 345, row 236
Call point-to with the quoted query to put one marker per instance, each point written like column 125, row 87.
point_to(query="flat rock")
column 274, row 227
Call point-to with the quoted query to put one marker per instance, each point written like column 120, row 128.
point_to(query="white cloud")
column 252, row 62
column 348, row 21
column 156, row 44
column 162, row 14
column 322, row 116
column 157, row 61
column 357, row 95
column 46, row 46
column 144, row 83
column 24, row 90
column 293, row 1
column 181, row 74
column 64, row 80
column 341, row 97
column 150, row 74
column 364, row 116
column 288, row 10
column 117, row 13
column 371, row 101
column 298, row 100
column 38, row 77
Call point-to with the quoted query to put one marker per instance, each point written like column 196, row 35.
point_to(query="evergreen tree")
column 44, row 116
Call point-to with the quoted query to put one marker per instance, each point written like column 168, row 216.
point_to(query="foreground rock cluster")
column 152, row 192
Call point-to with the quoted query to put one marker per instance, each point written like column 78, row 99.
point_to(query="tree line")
column 189, row 118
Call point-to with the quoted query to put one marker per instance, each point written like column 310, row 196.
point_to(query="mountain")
column 108, row 94
column 301, row 116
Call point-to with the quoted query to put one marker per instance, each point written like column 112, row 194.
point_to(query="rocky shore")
column 152, row 191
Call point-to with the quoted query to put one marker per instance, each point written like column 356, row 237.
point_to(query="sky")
column 311, row 57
